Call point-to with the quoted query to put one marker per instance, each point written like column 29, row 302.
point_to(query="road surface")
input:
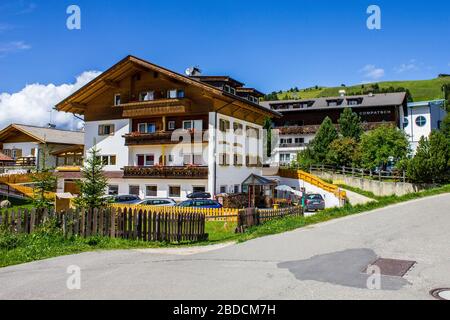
column 324, row 261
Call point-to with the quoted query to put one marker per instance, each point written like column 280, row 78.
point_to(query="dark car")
column 124, row 199
column 314, row 202
column 199, row 195
column 200, row 203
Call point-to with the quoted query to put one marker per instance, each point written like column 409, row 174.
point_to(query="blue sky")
column 270, row 45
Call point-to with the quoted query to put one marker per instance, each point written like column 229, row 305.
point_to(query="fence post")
column 404, row 176
column 379, row 175
column 113, row 223
column 343, row 170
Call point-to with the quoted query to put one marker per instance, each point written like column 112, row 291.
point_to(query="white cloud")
column 5, row 27
column 372, row 72
column 32, row 105
column 13, row 46
column 405, row 67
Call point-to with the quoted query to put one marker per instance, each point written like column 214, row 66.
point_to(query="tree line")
column 383, row 148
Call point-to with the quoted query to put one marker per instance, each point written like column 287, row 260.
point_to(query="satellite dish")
column 189, row 71
column 193, row 71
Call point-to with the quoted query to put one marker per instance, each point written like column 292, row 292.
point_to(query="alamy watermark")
column 73, row 282
column 73, row 22
column 374, row 19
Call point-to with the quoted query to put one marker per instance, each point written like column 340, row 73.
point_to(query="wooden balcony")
column 160, row 107
column 167, row 172
column 164, row 137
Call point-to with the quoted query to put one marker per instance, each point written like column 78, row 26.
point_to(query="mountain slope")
column 420, row 89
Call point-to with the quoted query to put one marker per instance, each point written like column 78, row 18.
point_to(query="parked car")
column 200, row 203
column 158, row 202
column 124, row 199
column 314, row 202
column 199, row 195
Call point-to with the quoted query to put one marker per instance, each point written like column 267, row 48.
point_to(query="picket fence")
column 145, row 225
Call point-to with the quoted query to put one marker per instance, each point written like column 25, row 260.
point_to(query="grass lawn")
column 420, row 89
column 17, row 203
column 48, row 242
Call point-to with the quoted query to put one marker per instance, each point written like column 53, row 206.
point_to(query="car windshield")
column 314, row 197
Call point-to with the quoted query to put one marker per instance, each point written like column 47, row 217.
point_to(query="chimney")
column 342, row 93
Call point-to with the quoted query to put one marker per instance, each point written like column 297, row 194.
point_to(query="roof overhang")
column 77, row 102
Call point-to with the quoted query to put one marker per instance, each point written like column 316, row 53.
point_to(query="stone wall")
column 378, row 188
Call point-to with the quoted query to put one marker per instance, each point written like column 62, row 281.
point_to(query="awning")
column 255, row 180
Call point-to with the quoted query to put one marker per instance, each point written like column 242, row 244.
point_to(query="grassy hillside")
column 419, row 89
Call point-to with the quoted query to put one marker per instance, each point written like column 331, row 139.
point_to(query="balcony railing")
column 167, row 172
column 164, row 137
column 156, row 107
column 21, row 162
column 293, row 145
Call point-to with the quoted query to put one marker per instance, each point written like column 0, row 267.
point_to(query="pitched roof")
column 375, row 100
column 4, row 157
column 48, row 135
column 76, row 103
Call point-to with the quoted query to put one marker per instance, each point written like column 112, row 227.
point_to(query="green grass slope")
column 420, row 89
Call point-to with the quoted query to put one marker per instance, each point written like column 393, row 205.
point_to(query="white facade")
column 221, row 176
column 287, row 146
column 422, row 118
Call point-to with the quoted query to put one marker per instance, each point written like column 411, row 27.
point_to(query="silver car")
column 158, row 202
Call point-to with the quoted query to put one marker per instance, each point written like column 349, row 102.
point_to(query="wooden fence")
column 380, row 175
column 145, row 225
column 222, row 214
column 254, row 216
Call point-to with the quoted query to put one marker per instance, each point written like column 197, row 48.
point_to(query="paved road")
column 318, row 262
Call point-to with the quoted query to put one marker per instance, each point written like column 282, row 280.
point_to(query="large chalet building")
column 302, row 118
column 136, row 113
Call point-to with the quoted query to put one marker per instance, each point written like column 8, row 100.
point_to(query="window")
column 332, row 103
column 405, row 123
column 134, row 190
column 352, row 102
column 198, row 189
column 286, row 140
column 145, row 160
column 151, row 191
column 175, row 94
column 224, row 125
column 299, row 140
column 147, row 96
column 224, row 159
column 108, row 160
column 236, row 188
column 113, row 190
column 238, row 160
column 285, row 157
column 227, row 88
column 196, row 159
column 171, row 125
column 238, row 128
column 106, row 130
column 174, row 191
column 223, row 189
column 421, row 121
column 147, row 127
column 193, row 124
column 117, row 99
column 16, row 153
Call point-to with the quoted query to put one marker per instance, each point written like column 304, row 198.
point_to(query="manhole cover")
column 393, row 267
column 441, row 294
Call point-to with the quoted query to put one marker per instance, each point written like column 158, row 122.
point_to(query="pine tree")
column 440, row 157
column 44, row 181
column 350, row 124
column 326, row 134
column 94, row 183
column 419, row 167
